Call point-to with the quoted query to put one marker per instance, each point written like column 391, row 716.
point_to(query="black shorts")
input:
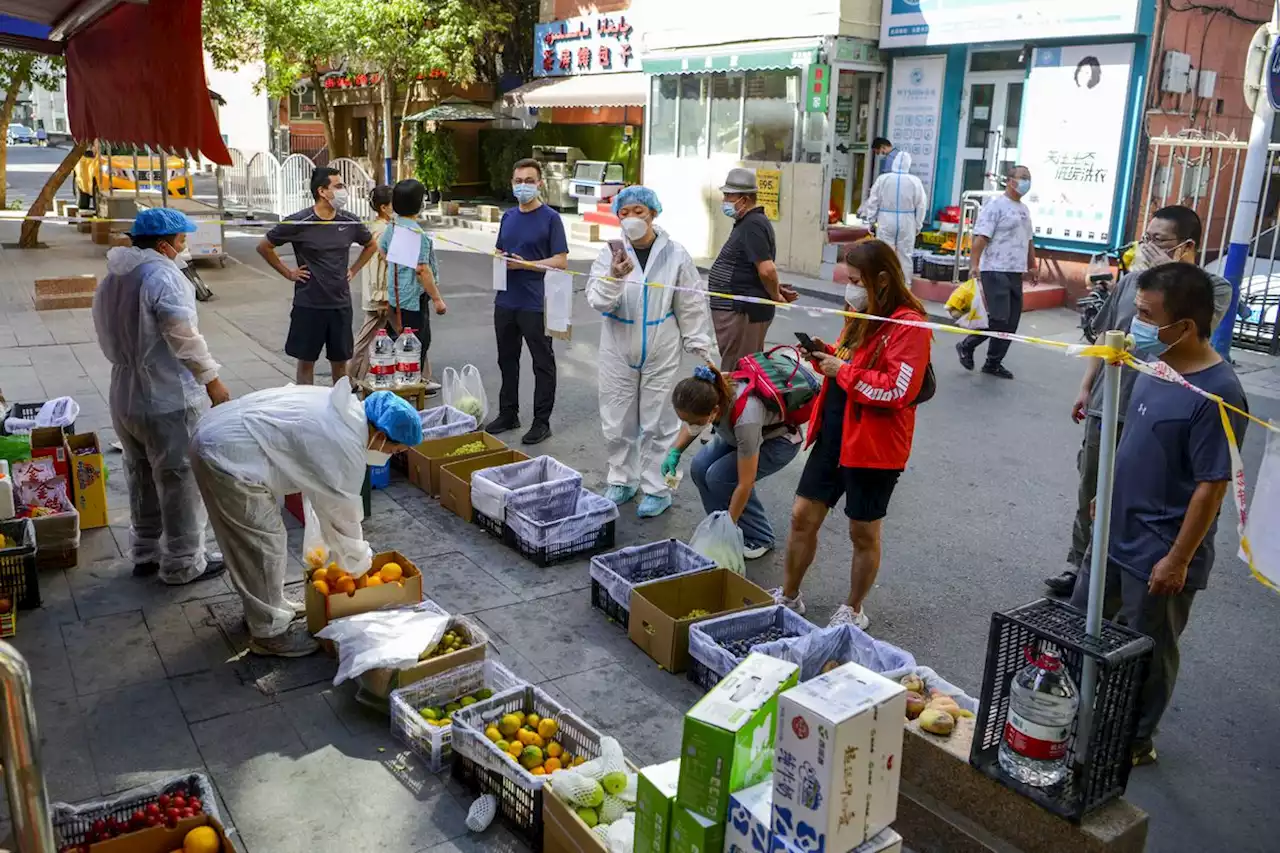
column 314, row 329
column 866, row 491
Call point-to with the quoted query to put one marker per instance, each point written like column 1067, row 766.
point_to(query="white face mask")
column 376, row 458
column 1150, row 255
column 635, row 228
column 856, row 296
column 340, row 199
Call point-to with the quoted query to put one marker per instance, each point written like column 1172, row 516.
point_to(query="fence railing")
column 261, row 185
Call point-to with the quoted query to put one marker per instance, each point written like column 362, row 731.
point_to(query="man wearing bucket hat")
column 744, row 267
column 144, row 312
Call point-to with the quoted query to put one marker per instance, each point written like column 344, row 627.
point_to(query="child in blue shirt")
column 407, row 285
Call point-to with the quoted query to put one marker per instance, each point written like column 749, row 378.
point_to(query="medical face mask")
column 524, row 193
column 856, row 296
column 1146, row 338
column 1023, row 186
column 376, row 458
column 635, row 228
column 340, row 199
column 730, row 209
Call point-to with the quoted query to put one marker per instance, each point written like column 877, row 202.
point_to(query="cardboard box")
column 658, row 610
column 563, row 831
column 158, row 839
column 728, row 735
column 750, row 810
column 693, row 833
column 426, row 459
column 655, row 798
column 322, row 609
column 380, row 682
column 89, row 479
column 839, row 749
column 57, row 540
column 886, row 841
column 48, row 441
column 455, row 479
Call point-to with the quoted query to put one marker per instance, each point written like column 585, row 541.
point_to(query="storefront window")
column 726, row 113
column 694, row 90
column 662, row 119
column 1012, row 114
column 772, row 103
column 303, row 106
column 997, row 60
column 814, row 140
column 981, row 99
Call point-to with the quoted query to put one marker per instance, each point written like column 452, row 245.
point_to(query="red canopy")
column 136, row 76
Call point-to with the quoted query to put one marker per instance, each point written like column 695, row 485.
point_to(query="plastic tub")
column 545, row 483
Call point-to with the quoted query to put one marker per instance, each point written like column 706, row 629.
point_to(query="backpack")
column 928, row 386
column 780, row 379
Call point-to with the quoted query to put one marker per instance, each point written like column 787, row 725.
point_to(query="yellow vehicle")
column 118, row 174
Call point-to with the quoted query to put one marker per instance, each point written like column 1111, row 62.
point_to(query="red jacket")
column 879, row 419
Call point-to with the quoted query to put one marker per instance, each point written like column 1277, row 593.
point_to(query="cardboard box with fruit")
column 176, row 815
column 464, row 642
column 426, row 460
column 662, row 611
column 455, row 479
column 333, row 593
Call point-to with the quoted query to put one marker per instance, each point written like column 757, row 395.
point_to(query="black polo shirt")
column 734, row 270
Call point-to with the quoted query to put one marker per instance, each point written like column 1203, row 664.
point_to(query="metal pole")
column 1255, row 169
column 388, row 121
column 20, row 748
column 164, row 177
column 1101, row 533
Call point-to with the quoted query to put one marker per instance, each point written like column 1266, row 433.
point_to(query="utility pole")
column 1256, row 163
column 388, row 120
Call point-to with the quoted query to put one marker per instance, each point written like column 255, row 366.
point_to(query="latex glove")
column 672, row 462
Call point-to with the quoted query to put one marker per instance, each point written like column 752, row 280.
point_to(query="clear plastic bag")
column 841, row 644
column 390, row 639
column 619, row 571
column 446, row 422
column 933, row 681
column 543, row 482
column 718, row 538
column 465, row 391
column 539, row 528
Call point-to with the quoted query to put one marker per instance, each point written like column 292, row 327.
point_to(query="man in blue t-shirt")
column 531, row 234
column 1173, row 467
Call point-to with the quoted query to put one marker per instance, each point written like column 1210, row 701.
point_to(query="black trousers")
column 1003, row 294
column 511, row 327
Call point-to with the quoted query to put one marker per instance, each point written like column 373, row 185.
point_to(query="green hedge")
column 499, row 149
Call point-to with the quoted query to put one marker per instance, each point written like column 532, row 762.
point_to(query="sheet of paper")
column 499, row 273
column 405, row 248
column 559, row 299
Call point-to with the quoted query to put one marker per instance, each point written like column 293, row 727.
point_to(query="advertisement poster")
column 1075, row 107
column 913, row 23
column 769, row 182
column 915, row 102
column 590, row 44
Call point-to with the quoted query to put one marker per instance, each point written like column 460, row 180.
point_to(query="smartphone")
column 806, row 342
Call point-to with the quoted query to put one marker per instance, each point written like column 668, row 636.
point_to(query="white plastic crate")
column 445, row 422
column 434, row 744
column 544, row 482
column 540, row 527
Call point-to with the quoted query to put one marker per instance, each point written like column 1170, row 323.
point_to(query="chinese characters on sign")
column 769, row 184
column 914, row 108
column 592, row 44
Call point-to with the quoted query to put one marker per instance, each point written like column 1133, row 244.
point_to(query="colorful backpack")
column 779, row 378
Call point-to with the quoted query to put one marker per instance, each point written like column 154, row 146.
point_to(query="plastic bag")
column 706, row 637
column 1260, row 528
column 976, row 317
column 933, row 681
column 384, row 639
column 718, row 538
column 446, row 422
column 541, row 528
column 842, row 644
column 15, row 448
column 465, row 391
column 544, row 482
column 619, row 571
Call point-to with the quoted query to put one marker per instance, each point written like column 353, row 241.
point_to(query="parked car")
column 118, row 174
column 20, row 134
column 1259, row 290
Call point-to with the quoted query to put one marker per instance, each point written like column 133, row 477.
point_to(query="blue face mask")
column 1146, row 338
column 729, row 209
column 524, row 193
column 1024, row 186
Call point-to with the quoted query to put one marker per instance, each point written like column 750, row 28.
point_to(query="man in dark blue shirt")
column 531, row 234
column 1173, row 467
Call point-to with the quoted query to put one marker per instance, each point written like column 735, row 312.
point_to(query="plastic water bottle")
column 1042, row 707
column 408, row 358
column 382, row 362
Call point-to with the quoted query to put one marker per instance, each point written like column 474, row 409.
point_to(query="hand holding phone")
column 806, row 343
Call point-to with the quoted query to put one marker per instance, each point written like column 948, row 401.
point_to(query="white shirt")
column 1007, row 226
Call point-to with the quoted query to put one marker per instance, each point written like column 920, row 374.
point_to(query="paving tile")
column 496, row 839
column 65, row 750
column 459, row 585
column 111, row 652
column 184, row 646
column 97, row 545
column 314, row 720
column 552, row 646
column 137, row 735
column 228, row 689
column 285, row 803
column 109, row 586
column 235, row 738
column 41, row 644
column 615, row 702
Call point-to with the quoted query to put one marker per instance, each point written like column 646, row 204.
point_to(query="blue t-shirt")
column 404, row 280
column 1172, row 440
column 534, row 236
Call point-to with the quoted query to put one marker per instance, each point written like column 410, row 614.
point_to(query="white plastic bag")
column 718, row 538
column 976, row 317
column 465, row 391
column 384, row 639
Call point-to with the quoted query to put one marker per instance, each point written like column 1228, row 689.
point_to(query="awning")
column 741, row 56
column 455, row 109
column 43, row 26
column 624, row 89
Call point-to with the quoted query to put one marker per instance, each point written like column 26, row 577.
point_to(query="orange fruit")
column 555, row 750
column 319, row 575
column 320, row 587
column 515, row 748
column 347, row 585
column 548, row 728
column 202, row 839
column 360, row 583
column 535, row 739
column 391, row 572
column 373, row 580
column 551, row 765
column 539, row 771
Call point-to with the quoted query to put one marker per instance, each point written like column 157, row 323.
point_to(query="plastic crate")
column 28, row 412
column 1122, row 657
column 434, row 744
column 445, row 422
column 549, row 555
column 706, row 638
column 481, row 767
column 618, row 572
column 18, row 575
column 492, row 526
column 543, row 483
column 72, row 823
column 601, row 600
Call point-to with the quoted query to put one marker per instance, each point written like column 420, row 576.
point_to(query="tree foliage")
column 18, row 70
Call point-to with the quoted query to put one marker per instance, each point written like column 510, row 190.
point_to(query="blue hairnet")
column 637, row 194
column 159, row 221
column 395, row 417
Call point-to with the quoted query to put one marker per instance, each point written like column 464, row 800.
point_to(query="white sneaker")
column 846, row 615
column 795, row 604
column 757, row 552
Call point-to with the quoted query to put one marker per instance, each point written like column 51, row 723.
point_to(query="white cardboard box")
column 750, row 811
column 837, row 760
column 885, row 841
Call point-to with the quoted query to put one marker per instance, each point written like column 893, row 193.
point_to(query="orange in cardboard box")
column 159, row 839
column 322, row 609
column 455, row 479
column 426, row 459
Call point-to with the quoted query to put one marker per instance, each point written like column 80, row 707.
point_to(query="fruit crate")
column 28, row 412
column 434, row 744
column 18, row 576
column 717, row 645
column 544, row 483
column 73, row 824
column 546, row 537
column 1122, row 658
column 614, row 575
column 445, row 422
column 484, row 769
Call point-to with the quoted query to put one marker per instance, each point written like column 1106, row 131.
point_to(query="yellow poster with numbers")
column 769, row 182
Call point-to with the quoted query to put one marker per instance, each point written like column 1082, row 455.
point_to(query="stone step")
column 73, row 300
column 588, row 232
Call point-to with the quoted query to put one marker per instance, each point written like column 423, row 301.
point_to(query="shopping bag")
column 1260, row 528
column 976, row 317
column 718, row 538
column 465, row 391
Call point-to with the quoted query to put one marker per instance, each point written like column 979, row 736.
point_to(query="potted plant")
column 435, row 160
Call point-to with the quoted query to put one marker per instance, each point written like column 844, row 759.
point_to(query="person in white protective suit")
column 250, row 453
column 163, row 378
column 645, row 331
column 897, row 205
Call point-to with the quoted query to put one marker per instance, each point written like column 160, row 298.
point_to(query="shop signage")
column 915, row 105
column 1072, row 132
column 1273, row 75
column 848, row 49
column 769, row 192
column 590, row 44
column 911, row 23
column 818, row 89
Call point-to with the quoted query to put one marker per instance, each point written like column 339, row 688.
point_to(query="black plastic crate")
column 28, row 411
column 489, row 525
column 701, row 675
column 549, row 555
column 602, row 601
column 1122, row 657
column 18, row 575
column 73, row 825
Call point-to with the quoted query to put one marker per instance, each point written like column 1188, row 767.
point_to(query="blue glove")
column 671, row 463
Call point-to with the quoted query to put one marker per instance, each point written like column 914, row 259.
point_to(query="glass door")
column 850, row 163
column 991, row 118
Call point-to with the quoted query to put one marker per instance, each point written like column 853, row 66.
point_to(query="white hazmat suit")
column 251, row 452
column 897, row 205
column 144, row 312
column 644, row 332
